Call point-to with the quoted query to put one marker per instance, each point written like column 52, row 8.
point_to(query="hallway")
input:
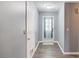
column 49, row 22
column 25, row 25
column 51, row 51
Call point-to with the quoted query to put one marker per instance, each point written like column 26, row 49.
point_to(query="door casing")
column 43, row 29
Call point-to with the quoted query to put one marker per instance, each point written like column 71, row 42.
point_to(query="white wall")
column 41, row 14
column 32, row 28
column 61, row 26
column 67, row 25
column 12, row 24
column 58, row 25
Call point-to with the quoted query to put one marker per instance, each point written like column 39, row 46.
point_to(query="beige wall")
column 74, row 28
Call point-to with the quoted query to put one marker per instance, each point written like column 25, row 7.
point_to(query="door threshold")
column 48, row 43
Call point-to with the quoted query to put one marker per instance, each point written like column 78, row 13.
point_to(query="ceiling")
column 48, row 6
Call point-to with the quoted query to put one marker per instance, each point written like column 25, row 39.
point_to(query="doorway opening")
column 48, row 28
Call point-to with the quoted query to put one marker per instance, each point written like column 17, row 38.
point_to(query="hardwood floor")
column 51, row 51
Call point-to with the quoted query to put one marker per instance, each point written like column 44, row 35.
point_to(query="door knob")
column 28, row 38
column 24, row 32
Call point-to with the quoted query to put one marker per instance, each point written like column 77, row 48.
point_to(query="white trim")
column 48, row 43
column 41, row 41
column 34, row 50
column 45, row 41
column 71, row 53
column 59, row 46
column 43, row 27
column 55, row 42
column 66, row 53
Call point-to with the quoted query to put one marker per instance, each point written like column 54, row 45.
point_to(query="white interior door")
column 12, row 25
column 48, row 28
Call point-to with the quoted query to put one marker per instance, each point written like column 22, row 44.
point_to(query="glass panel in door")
column 48, row 28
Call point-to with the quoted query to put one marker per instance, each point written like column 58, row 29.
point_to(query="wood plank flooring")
column 51, row 51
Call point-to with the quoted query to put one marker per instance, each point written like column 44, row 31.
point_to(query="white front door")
column 48, row 28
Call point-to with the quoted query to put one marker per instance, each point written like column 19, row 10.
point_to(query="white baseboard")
column 40, row 41
column 47, row 43
column 66, row 53
column 34, row 50
column 71, row 53
column 59, row 46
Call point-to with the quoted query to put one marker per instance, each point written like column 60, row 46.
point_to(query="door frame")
column 43, row 28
